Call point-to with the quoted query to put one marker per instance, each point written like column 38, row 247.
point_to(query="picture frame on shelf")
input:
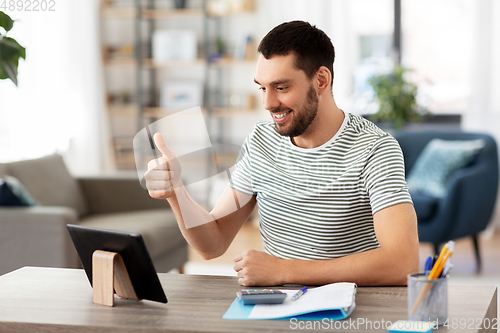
column 181, row 94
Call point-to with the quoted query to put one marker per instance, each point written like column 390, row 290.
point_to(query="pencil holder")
column 427, row 299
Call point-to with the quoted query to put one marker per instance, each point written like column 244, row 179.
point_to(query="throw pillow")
column 438, row 161
column 13, row 193
column 7, row 198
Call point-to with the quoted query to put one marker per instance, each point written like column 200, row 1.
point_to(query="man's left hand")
column 256, row 268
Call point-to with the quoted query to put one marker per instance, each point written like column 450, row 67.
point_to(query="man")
column 333, row 202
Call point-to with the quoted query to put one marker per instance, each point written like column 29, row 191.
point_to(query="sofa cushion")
column 49, row 182
column 158, row 227
column 425, row 206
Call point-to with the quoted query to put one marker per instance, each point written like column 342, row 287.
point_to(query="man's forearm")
column 210, row 233
column 198, row 226
column 370, row 268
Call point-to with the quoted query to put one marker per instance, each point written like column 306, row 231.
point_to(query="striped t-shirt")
column 319, row 203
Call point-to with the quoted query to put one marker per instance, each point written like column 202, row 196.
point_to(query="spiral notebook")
column 333, row 301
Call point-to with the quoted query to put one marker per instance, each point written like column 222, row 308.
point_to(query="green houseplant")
column 396, row 97
column 10, row 50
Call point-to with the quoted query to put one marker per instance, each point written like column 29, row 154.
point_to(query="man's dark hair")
column 311, row 46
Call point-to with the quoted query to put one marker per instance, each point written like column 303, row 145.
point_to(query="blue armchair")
column 471, row 191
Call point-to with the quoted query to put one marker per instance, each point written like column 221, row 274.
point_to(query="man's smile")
column 280, row 117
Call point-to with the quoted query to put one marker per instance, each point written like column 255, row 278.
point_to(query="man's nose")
column 270, row 100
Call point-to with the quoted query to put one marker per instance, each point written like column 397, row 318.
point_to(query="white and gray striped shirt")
column 319, row 203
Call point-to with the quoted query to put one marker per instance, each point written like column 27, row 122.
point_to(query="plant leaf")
column 3, row 75
column 10, row 52
column 11, row 71
column 5, row 21
column 9, row 48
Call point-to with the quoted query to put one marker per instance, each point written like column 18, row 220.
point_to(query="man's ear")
column 323, row 79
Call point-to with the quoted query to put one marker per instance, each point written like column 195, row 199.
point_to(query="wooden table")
column 60, row 300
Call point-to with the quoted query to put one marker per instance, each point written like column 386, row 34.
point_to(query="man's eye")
column 281, row 88
column 262, row 88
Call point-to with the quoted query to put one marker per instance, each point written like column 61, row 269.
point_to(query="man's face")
column 287, row 94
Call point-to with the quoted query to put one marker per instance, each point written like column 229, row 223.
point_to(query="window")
column 437, row 42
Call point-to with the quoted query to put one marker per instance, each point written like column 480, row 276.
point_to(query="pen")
column 446, row 269
column 299, row 293
column 434, row 259
column 428, row 266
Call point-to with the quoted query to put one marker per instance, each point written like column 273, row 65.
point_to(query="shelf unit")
column 139, row 106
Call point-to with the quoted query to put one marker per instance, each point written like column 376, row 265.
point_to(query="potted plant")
column 396, row 98
column 10, row 50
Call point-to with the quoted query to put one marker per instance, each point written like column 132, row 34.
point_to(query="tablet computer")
column 132, row 249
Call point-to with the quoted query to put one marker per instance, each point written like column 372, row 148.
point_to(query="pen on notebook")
column 299, row 293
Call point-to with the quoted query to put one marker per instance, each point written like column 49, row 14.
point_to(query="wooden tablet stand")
column 109, row 274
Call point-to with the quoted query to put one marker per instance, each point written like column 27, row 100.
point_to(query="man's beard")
column 303, row 118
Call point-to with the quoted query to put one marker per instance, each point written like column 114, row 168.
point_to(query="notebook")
column 333, row 301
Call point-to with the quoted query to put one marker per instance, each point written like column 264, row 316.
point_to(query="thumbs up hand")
column 164, row 173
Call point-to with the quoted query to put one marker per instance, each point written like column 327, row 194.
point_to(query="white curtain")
column 59, row 103
column 483, row 113
column 484, row 105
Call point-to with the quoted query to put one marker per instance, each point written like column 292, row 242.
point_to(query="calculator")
column 261, row 296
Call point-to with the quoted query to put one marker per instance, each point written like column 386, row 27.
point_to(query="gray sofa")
column 37, row 235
